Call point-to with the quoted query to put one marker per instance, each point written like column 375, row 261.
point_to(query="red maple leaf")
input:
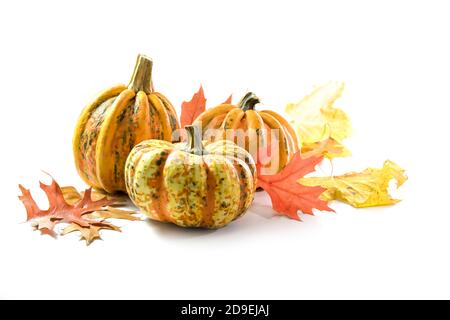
column 190, row 110
column 60, row 211
column 287, row 195
column 229, row 99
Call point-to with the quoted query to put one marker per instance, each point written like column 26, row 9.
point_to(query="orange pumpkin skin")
column 114, row 122
column 252, row 130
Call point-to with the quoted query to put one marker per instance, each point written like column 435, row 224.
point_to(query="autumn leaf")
column 113, row 213
column 328, row 148
column 68, row 206
column 71, row 195
column 59, row 210
column 315, row 119
column 190, row 110
column 288, row 197
column 89, row 234
column 361, row 189
column 229, row 99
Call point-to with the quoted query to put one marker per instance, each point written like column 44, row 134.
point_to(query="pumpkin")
column 188, row 184
column 115, row 121
column 259, row 132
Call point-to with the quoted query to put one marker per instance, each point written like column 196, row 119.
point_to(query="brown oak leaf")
column 87, row 210
column 89, row 234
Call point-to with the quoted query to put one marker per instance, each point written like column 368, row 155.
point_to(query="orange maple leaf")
column 190, row 110
column 60, row 211
column 287, row 195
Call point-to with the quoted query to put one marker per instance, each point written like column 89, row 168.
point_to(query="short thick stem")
column 248, row 102
column 194, row 143
column 141, row 80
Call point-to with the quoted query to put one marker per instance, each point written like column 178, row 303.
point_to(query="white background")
column 394, row 58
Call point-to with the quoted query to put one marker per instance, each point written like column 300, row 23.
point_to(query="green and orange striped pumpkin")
column 114, row 122
column 191, row 185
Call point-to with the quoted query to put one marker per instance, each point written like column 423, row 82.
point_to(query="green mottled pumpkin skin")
column 170, row 184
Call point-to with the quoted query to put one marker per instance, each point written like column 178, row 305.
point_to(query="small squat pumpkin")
column 252, row 130
column 191, row 185
column 114, row 122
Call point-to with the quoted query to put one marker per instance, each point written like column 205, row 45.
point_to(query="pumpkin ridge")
column 208, row 210
column 231, row 122
column 287, row 126
column 156, row 129
column 290, row 144
column 154, row 197
column 247, row 187
column 141, row 114
column 104, row 151
column 226, row 197
column 245, row 169
column 80, row 141
column 163, row 116
column 170, row 111
column 210, row 130
column 282, row 142
column 196, row 189
column 204, row 119
column 89, row 139
column 163, row 199
column 255, row 132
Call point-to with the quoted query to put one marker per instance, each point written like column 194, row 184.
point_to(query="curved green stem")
column 249, row 101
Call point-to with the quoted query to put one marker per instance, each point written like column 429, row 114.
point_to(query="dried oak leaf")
column 288, row 197
column 361, row 189
column 66, row 205
column 71, row 195
column 91, row 233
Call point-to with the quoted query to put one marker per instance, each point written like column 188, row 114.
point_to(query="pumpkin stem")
column 194, row 143
column 141, row 80
column 249, row 101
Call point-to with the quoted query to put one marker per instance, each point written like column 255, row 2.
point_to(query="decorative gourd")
column 188, row 184
column 114, row 122
column 251, row 130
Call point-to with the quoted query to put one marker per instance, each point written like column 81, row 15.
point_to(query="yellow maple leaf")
column 328, row 148
column 315, row 119
column 361, row 189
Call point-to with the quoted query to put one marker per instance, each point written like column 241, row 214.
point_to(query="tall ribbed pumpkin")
column 262, row 132
column 115, row 121
column 191, row 185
